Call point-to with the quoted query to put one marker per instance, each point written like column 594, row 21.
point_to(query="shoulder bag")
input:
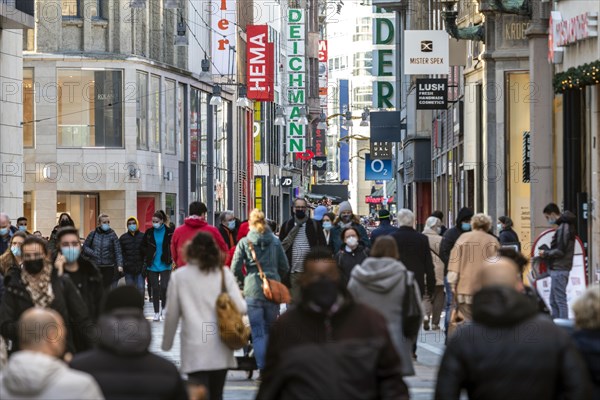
column 273, row 290
column 232, row 330
column 412, row 314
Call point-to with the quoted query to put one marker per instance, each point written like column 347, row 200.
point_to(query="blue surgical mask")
column 551, row 221
column 16, row 250
column 132, row 227
column 22, row 228
column 465, row 226
column 499, row 226
column 327, row 225
column 231, row 225
column 3, row 231
column 156, row 225
column 105, row 227
column 71, row 253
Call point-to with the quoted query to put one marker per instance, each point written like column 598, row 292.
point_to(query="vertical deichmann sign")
column 223, row 25
column 296, row 80
column 259, row 71
column 384, row 61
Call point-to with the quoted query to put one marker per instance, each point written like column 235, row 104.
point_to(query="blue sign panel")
column 378, row 170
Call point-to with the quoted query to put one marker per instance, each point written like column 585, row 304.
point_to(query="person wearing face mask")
column 102, row 247
column 506, row 235
column 352, row 254
column 38, row 284
column 434, row 305
column 22, row 225
column 12, row 257
column 346, row 219
column 64, row 220
column 131, row 244
column 157, row 261
column 385, row 225
column 228, row 228
column 471, row 251
column 298, row 235
column 6, row 232
column 327, row 225
column 84, row 274
column 325, row 331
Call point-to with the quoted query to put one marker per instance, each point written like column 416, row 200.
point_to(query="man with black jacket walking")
column 298, row 235
column 102, row 247
column 131, row 244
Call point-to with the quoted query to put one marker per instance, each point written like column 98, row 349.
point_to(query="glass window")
column 180, row 119
column 171, row 206
column 70, row 8
column 169, row 89
column 258, row 192
column 90, row 110
column 142, row 110
column 82, row 207
column 27, row 211
column 28, row 108
column 258, row 142
column 154, row 114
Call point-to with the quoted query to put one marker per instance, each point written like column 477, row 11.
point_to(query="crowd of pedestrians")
column 357, row 304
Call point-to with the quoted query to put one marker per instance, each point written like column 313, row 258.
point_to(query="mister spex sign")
column 426, row 52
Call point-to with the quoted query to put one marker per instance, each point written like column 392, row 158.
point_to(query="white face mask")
column 438, row 229
column 352, row 241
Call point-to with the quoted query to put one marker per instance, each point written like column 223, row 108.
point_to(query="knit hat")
column 345, row 206
column 123, row 297
column 319, row 213
column 384, row 214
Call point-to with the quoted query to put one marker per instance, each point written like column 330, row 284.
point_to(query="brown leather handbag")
column 232, row 330
column 273, row 290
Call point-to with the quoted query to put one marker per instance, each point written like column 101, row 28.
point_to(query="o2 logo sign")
column 378, row 170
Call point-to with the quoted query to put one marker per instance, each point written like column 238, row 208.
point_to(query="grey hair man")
column 228, row 227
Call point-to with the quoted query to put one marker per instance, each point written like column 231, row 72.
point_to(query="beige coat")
column 435, row 241
column 469, row 253
column 192, row 297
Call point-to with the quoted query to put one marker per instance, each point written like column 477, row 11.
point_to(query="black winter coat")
column 588, row 343
column 508, row 237
column 415, row 254
column 510, row 351
column 384, row 228
column 92, row 289
column 131, row 245
column 348, row 355
column 67, row 302
column 148, row 248
column 103, row 248
column 451, row 235
column 346, row 261
column 122, row 364
column 562, row 246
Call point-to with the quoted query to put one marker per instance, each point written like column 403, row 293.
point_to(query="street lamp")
column 180, row 38
column 216, row 99
column 348, row 122
column 303, row 120
column 322, row 121
column 243, row 100
column 365, row 117
column 279, row 117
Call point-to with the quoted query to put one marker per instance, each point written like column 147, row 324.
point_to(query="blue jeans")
column 448, row 307
column 558, row 293
column 136, row 280
column 262, row 315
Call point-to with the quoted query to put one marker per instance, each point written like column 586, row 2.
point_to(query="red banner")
column 260, row 68
column 378, row 200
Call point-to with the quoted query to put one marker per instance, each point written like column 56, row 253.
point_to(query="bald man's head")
column 502, row 272
column 42, row 330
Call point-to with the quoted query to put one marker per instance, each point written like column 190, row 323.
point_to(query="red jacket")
column 242, row 232
column 186, row 233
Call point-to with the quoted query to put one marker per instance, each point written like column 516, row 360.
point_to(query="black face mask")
column 346, row 218
column 33, row 267
column 300, row 214
column 65, row 222
column 322, row 293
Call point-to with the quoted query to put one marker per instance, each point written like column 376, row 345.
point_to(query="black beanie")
column 123, row 297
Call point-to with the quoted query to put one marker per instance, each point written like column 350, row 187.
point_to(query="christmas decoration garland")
column 577, row 77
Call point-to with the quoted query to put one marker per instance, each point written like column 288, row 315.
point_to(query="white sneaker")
column 163, row 314
column 156, row 317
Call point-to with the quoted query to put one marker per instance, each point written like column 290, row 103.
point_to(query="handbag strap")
column 223, row 287
column 253, row 253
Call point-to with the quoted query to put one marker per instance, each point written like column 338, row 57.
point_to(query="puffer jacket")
column 131, row 243
column 508, row 237
column 562, row 246
column 306, row 347
column 67, row 302
column 271, row 256
column 103, row 248
column 122, row 364
column 510, row 351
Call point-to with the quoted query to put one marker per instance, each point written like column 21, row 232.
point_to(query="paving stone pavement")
column 238, row 387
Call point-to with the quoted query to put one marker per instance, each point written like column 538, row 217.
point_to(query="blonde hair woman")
column 269, row 253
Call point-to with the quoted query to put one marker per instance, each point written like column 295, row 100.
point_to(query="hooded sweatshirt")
column 32, row 375
column 381, row 284
column 187, row 231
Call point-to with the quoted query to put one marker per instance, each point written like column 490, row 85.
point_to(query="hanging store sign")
column 223, row 25
column 378, row 170
column 426, row 52
column 323, row 73
column 319, row 142
column 432, row 94
column 385, row 126
column 296, row 80
column 384, row 60
column 381, row 150
column 567, row 31
column 260, row 67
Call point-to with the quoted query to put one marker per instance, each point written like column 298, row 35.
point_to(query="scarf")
column 289, row 239
column 39, row 287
